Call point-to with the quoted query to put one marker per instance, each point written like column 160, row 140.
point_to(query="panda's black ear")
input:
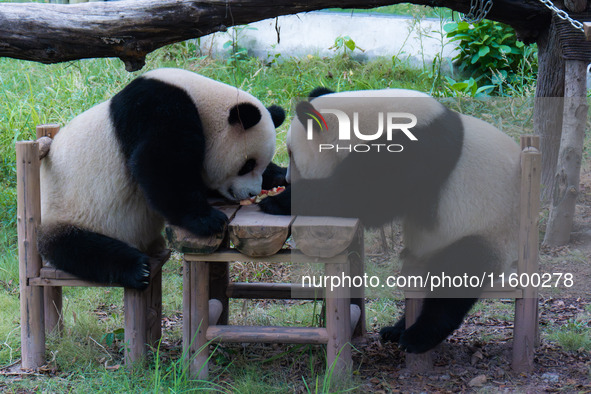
column 319, row 91
column 304, row 111
column 246, row 114
column 277, row 114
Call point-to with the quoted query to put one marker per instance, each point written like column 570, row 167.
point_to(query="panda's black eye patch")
column 249, row 166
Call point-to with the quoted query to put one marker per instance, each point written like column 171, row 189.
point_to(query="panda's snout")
column 242, row 194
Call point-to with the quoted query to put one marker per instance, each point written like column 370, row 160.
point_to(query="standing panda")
column 452, row 179
column 151, row 153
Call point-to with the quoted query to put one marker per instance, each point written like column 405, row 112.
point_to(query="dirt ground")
column 466, row 364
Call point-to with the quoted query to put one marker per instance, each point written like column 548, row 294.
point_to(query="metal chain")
column 480, row 8
column 563, row 15
column 478, row 11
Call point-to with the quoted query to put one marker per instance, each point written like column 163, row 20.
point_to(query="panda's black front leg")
column 274, row 176
column 441, row 314
column 170, row 175
column 313, row 197
column 439, row 318
column 279, row 204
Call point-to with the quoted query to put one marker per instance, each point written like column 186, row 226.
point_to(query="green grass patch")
column 410, row 10
column 574, row 335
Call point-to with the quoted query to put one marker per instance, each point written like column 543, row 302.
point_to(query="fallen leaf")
column 478, row 381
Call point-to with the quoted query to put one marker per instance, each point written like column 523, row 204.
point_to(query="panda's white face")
column 246, row 182
column 239, row 132
column 304, row 160
column 245, row 151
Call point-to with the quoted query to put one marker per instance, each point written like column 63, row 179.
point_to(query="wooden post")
column 52, row 294
column 219, row 278
column 549, row 103
column 338, row 322
column 566, row 188
column 587, row 28
column 196, row 317
column 28, row 220
column 357, row 259
column 154, row 310
column 135, row 303
column 526, row 308
column 416, row 362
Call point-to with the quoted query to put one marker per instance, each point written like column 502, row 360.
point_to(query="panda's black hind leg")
column 444, row 311
column 393, row 333
column 439, row 318
column 94, row 257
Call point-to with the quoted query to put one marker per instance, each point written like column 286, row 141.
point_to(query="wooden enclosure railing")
column 41, row 286
column 337, row 243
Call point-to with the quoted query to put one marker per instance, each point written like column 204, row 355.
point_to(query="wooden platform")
column 251, row 235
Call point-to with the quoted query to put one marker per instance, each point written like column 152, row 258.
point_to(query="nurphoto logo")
column 394, row 121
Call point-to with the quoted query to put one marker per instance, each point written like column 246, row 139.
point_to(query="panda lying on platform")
column 152, row 153
column 452, row 179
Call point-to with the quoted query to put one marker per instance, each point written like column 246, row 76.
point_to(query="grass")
column 411, row 10
column 574, row 336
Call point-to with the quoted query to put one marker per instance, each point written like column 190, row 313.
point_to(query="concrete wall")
column 315, row 32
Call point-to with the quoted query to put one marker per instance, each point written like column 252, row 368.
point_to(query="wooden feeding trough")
column 337, row 243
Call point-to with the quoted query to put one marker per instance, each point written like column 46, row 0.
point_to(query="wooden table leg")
column 154, row 313
column 135, row 303
column 52, row 300
column 196, row 317
column 218, row 283
column 416, row 362
column 338, row 323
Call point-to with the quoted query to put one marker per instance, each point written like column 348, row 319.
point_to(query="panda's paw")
column 276, row 205
column 419, row 339
column 139, row 275
column 392, row 334
column 205, row 225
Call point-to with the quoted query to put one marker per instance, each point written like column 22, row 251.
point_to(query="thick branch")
column 130, row 29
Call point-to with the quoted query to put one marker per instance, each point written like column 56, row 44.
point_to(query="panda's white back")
column 84, row 182
column 476, row 200
column 481, row 195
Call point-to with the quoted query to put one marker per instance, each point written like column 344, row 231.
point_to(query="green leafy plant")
column 466, row 88
column 236, row 52
column 490, row 51
column 345, row 45
column 111, row 337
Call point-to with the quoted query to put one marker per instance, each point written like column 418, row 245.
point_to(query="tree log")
column 130, row 29
column 566, row 187
column 548, row 105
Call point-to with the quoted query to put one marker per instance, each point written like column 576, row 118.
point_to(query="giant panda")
column 455, row 187
column 152, row 153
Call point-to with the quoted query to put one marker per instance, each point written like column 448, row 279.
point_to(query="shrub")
column 491, row 54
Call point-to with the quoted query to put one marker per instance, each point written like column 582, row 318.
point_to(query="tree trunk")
column 548, row 108
column 130, row 29
column 566, row 186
